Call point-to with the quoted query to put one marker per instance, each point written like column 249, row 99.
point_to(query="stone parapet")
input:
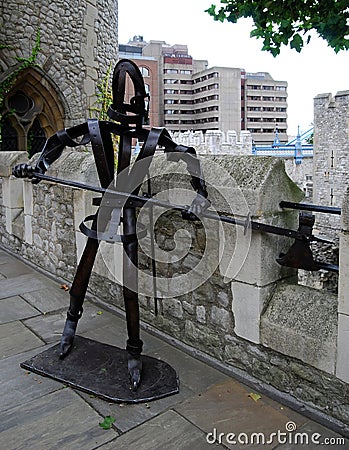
column 343, row 295
column 219, row 287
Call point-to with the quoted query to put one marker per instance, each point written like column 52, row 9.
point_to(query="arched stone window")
column 33, row 112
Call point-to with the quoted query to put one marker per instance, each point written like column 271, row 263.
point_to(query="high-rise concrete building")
column 188, row 95
column 264, row 107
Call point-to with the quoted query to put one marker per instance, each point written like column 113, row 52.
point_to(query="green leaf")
column 107, row 422
column 297, row 42
column 254, row 396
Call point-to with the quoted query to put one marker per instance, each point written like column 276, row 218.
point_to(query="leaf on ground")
column 99, row 313
column 254, row 396
column 107, row 422
column 65, row 287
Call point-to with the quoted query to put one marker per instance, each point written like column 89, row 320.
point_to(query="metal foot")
column 134, row 366
column 67, row 338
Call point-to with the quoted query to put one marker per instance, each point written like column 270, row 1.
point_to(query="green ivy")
column 100, row 108
column 7, row 84
column 104, row 96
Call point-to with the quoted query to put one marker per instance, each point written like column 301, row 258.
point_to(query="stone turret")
column 78, row 41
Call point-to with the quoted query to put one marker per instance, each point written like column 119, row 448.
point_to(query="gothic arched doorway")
column 33, row 112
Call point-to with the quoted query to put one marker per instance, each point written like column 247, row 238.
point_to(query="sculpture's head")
column 136, row 111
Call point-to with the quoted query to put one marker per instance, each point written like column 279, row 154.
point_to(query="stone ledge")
column 10, row 159
column 302, row 322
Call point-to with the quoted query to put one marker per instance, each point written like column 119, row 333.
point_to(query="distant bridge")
column 296, row 148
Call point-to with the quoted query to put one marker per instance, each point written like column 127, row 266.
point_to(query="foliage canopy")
column 279, row 22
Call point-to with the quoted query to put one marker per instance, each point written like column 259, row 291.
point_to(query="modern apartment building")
column 188, row 95
column 264, row 107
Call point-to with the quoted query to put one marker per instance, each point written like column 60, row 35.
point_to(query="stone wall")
column 331, row 155
column 216, row 142
column 219, row 288
column 78, row 42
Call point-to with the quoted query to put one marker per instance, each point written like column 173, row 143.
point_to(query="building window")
column 36, row 138
column 144, row 71
column 9, row 137
column 170, row 71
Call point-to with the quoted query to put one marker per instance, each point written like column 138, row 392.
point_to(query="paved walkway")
column 38, row 413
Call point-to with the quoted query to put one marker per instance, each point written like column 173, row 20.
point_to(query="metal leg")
column 77, row 295
column 130, row 262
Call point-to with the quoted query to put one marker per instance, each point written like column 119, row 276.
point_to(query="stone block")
column 80, row 241
column 12, row 192
column 302, row 322
column 28, row 229
column 342, row 368
column 9, row 159
column 248, row 303
column 82, row 206
column 109, row 263
column 28, row 198
column 77, row 166
column 251, row 257
column 345, row 212
column 343, row 280
column 10, row 216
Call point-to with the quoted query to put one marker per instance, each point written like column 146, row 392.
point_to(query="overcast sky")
column 316, row 70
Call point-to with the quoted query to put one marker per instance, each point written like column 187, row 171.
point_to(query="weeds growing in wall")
column 99, row 110
column 7, row 84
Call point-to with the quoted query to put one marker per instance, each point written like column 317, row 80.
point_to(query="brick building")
column 187, row 94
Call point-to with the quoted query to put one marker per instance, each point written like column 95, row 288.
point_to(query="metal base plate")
column 101, row 370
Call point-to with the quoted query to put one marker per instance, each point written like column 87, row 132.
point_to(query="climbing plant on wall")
column 100, row 107
column 7, row 84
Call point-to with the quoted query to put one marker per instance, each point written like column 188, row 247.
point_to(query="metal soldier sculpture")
column 128, row 123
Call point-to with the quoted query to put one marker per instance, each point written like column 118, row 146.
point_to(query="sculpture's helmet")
column 126, row 74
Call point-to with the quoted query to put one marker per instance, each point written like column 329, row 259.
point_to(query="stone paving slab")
column 16, row 338
column 228, row 408
column 57, row 421
column 11, row 268
column 52, row 298
column 193, row 374
column 114, row 332
column 31, row 404
column 19, row 386
column 15, row 308
column 50, row 326
column 129, row 416
column 5, row 258
column 168, row 431
column 9, row 287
